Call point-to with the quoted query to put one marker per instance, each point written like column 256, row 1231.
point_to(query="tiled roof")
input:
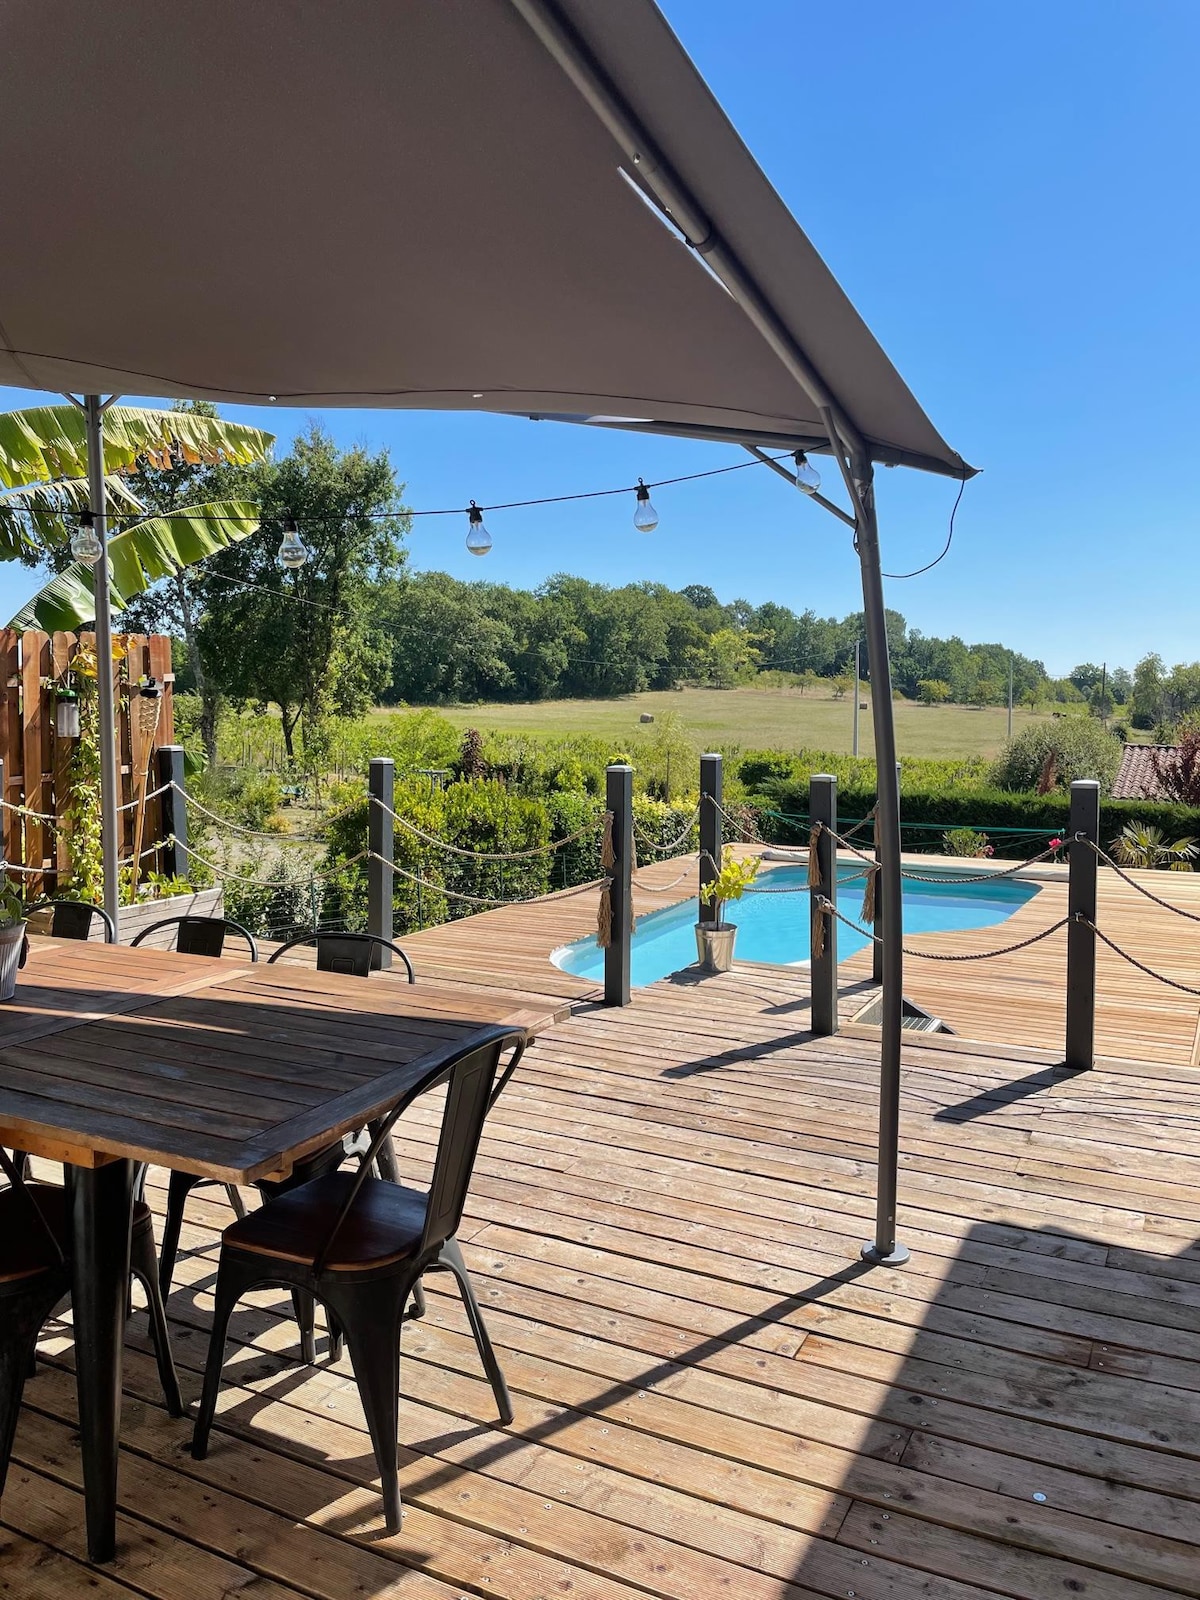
column 1137, row 779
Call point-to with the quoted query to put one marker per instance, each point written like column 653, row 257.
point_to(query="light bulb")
column 807, row 476
column 645, row 518
column 479, row 540
column 85, row 541
column 292, row 553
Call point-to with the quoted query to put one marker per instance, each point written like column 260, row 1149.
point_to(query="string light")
column 807, row 477
column 645, row 518
column 292, row 553
column 85, row 541
column 479, row 540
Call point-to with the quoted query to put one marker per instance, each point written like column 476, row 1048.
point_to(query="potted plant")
column 715, row 940
column 13, row 945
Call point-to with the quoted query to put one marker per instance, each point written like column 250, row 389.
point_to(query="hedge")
column 1014, row 823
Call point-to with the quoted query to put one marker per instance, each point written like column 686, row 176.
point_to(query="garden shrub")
column 1062, row 751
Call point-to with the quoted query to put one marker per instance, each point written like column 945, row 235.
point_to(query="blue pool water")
column 775, row 927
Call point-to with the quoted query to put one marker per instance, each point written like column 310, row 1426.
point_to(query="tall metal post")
column 381, row 837
column 1010, row 683
column 711, row 832
column 877, row 929
column 822, row 808
column 1083, row 831
column 93, row 411
column 174, row 811
column 857, row 687
column 619, row 799
column 883, row 1249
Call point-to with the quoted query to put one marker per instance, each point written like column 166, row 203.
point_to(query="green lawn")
column 780, row 719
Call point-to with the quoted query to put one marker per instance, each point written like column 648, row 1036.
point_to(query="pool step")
column 912, row 1016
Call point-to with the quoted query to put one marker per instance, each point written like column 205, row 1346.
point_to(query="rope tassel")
column 608, row 856
column 818, row 931
column 604, row 918
column 867, row 914
column 814, row 865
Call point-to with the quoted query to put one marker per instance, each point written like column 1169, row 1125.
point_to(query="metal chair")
column 35, row 1275
column 361, row 1246
column 72, row 919
column 357, row 954
column 200, row 936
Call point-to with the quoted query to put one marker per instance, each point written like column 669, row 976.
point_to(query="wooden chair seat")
column 384, row 1225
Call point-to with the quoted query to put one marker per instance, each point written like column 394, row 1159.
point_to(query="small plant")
column 731, row 882
column 12, row 907
column 1143, row 844
column 967, row 842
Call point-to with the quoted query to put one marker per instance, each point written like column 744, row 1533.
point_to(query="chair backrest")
column 200, row 936
column 36, row 1217
column 72, row 919
column 469, row 1075
column 356, row 954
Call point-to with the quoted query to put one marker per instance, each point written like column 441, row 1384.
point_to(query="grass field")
column 781, row 719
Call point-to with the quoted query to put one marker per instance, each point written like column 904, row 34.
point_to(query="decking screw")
column 886, row 1495
column 887, row 1516
column 1039, row 1497
column 546, row 1506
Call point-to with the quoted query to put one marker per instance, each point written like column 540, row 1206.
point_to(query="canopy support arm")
column 778, row 466
column 94, row 409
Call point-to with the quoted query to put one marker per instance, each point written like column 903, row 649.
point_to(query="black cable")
column 440, row 511
column 929, row 565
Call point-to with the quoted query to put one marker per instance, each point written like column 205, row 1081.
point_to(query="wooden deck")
column 713, row 1396
column 1013, row 999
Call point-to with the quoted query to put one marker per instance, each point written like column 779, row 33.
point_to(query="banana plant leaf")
column 46, row 513
column 45, row 443
column 139, row 557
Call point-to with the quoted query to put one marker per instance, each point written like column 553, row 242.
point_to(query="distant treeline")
column 454, row 642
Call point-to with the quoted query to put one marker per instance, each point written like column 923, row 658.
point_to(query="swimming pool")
column 775, row 927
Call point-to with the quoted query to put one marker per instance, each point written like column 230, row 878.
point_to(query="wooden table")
column 111, row 1056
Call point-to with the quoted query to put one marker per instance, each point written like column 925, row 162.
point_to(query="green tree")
column 1147, row 699
column 308, row 642
column 933, row 691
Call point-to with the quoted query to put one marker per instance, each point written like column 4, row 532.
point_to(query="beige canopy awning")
column 410, row 203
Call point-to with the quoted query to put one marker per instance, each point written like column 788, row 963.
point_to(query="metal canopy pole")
column 857, row 688
column 883, row 1250
column 657, row 178
column 93, row 411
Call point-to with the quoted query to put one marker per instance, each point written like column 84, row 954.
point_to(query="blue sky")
column 1008, row 193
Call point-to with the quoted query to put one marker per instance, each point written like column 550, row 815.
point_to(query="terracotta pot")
column 714, row 945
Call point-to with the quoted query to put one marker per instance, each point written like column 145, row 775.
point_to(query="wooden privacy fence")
column 38, row 761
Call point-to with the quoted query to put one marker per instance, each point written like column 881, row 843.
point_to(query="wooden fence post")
column 619, row 799
column 1083, row 831
column 711, row 833
column 822, row 808
column 175, row 860
column 381, row 841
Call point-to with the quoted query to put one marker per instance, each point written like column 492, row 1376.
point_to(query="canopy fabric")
column 403, row 203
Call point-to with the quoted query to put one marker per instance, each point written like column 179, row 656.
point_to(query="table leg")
column 101, row 1214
